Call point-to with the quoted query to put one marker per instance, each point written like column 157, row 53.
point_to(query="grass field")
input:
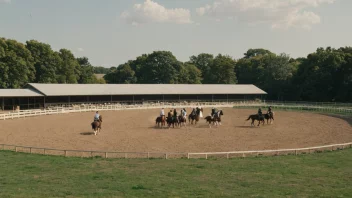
column 326, row 174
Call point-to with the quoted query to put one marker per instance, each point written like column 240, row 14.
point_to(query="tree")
column 122, row 75
column 222, row 71
column 45, row 61
column 203, row 62
column 69, row 70
column 160, row 67
column 256, row 52
column 323, row 74
column 87, row 71
column 16, row 64
column 100, row 70
column 190, row 74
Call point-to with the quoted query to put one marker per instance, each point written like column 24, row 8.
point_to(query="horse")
column 171, row 121
column 269, row 116
column 256, row 117
column 160, row 121
column 216, row 119
column 194, row 117
column 182, row 120
column 96, row 125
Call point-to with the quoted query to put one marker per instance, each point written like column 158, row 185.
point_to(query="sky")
column 111, row 32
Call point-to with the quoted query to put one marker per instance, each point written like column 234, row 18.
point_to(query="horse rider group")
column 260, row 111
column 173, row 113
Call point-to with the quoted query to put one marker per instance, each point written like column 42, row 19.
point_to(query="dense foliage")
column 324, row 75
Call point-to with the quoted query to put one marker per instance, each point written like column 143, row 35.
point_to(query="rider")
column 193, row 112
column 213, row 112
column 175, row 115
column 96, row 116
column 162, row 113
column 184, row 113
column 260, row 112
column 269, row 110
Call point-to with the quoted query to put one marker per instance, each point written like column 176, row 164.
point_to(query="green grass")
column 327, row 174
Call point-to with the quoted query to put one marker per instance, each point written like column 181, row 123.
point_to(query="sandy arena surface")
column 135, row 131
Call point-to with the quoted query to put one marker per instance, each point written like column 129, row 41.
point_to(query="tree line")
column 37, row 62
column 324, row 75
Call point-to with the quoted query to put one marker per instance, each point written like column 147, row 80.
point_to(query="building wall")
column 38, row 102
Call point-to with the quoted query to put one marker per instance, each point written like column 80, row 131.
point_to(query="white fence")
column 117, row 107
column 168, row 155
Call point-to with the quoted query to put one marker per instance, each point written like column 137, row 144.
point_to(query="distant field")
column 326, row 174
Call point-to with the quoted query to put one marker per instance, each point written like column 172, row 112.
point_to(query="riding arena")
column 57, row 120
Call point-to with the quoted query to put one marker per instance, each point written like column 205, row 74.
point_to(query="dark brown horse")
column 160, row 121
column 96, row 125
column 256, row 117
column 269, row 116
column 172, row 121
column 182, row 120
column 194, row 116
column 216, row 119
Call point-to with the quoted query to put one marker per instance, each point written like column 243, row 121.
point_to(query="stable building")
column 40, row 95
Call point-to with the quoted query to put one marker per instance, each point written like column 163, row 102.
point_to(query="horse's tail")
column 248, row 118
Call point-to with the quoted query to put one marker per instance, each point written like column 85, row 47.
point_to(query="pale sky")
column 110, row 32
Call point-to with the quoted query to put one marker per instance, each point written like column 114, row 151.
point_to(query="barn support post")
column 179, row 98
column 133, row 99
column 163, row 99
column 69, row 100
column 28, row 103
column 227, row 98
column 212, row 97
column 3, row 104
column 44, row 102
column 111, row 98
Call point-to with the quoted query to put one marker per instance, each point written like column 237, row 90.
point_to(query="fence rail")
column 109, row 154
column 116, row 107
column 167, row 155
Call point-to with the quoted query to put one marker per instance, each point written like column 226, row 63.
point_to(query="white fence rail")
column 109, row 154
column 168, row 155
column 117, row 107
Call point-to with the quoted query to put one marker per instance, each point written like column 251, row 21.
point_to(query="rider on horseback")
column 162, row 113
column 184, row 113
column 269, row 110
column 260, row 112
column 213, row 112
column 175, row 115
column 96, row 116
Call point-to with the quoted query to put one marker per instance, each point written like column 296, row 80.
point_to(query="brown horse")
column 256, row 117
column 194, row 116
column 182, row 120
column 96, row 125
column 269, row 116
column 160, row 121
column 216, row 119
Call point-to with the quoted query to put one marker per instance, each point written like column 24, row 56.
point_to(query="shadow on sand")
column 87, row 133
column 343, row 117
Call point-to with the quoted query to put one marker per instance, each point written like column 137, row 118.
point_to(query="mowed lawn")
column 326, row 174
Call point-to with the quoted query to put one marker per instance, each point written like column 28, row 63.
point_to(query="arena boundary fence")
column 317, row 107
column 172, row 155
column 109, row 154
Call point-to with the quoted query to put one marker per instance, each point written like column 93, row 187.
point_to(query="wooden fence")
column 168, row 155
column 117, row 107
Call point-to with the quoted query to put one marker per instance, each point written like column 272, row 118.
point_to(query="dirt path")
column 134, row 130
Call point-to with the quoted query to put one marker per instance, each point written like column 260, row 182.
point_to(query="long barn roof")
column 18, row 93
column 141, row 89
